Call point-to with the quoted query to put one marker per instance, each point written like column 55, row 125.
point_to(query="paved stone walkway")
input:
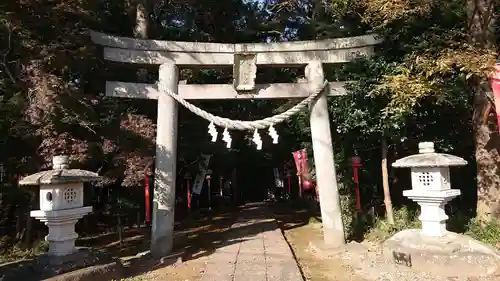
column 255, row 250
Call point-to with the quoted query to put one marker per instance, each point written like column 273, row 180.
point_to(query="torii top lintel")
column 130, row 50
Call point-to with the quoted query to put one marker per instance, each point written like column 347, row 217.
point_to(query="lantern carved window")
column 425, row 179
column 70, row 195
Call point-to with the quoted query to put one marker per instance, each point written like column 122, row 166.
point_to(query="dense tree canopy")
column 423, row 84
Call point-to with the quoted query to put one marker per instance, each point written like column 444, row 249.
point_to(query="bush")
column 11, row 250
column 347, row 204
column 404, row 218
column 488, row 233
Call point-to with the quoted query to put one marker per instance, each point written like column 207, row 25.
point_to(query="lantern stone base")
column 61, row 224
column 432, row 213
column 452, row 253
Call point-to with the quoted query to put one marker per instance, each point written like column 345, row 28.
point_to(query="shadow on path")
column 251, row 234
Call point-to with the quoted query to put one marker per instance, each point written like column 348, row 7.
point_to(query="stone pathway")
column 255, row 250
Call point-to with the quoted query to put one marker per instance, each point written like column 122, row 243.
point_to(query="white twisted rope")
column 245, row 125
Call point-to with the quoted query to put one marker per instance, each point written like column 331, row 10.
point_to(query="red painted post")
column 356, row 164
column 302, row 169
column 146, row 195
column 297, row 157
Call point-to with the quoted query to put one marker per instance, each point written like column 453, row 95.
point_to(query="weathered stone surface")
column 452, row 255
column 368, row 261
column 132, row 50
column 326, row 177
column 431, row 186
column 162, row 229
column 223, row 59
column 428, row 158
column 203, row 47
column 61, row 203
column 59, row 176
column 219, row 91
column 244, row 72
column 255, row 250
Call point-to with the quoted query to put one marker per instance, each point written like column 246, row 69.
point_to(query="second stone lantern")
column 61, row 203
column 431, row 187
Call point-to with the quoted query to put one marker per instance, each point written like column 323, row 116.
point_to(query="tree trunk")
column 141, row 29
column 481, row 30
column 487, row 159
column 29, row 230
column 385, row 183
column 19, row 224
column 141, row 19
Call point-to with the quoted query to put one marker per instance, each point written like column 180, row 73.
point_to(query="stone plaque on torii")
column 245, row 58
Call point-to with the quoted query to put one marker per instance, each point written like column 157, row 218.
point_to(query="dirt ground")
column 187, row 271
column 299, row 229
column 195, row 240
column 198, row 236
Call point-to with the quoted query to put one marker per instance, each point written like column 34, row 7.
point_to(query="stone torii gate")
column 244, row 58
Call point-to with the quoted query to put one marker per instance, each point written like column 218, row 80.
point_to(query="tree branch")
column 3, row 62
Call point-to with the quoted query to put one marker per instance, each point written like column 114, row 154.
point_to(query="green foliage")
column 404, row 218
column 488, row 232
column 385, row 12
column 349, row 218
column 347, row 205
column 418, row 87
column 428, row 42
column 11, row 250
column 365, row 116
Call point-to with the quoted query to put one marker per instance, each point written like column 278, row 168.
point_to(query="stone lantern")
column 61, row 203
column 431, row 188
column 433, row 249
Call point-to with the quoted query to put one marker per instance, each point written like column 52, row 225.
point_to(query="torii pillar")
column 162, row 230
column 326, row 176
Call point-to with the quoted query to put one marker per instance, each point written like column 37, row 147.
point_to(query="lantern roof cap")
column 427, row 157
column 60, row 174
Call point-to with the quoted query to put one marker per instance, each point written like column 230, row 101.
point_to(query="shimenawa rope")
column 245, row 125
